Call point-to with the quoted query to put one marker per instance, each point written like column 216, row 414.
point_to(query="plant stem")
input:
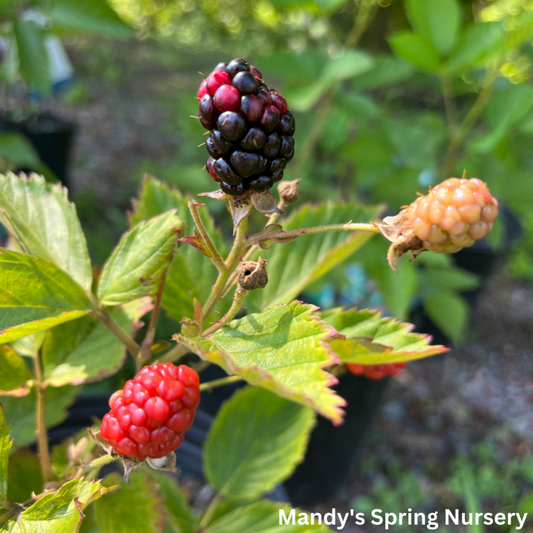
column 362, row 20
column 317, row 129
column 146, row 350
column 457, row 138
column 173, row 354
column 209, row 512
column 289, row 235
column 449, row 105
column 42, row 435
column 236, row 306
column 239, row 245
column 111, row 325
column 219, row 382
column 215, row 254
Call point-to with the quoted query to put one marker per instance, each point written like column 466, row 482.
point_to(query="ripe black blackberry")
column 251, row 130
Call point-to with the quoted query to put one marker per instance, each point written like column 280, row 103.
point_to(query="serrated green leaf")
column 139, row 261
column 14, row 369
column 255, row 442
column 448, row 311
column 90, row 16
column 34, row 63
column 20, row 412
column 85, row 350
column 35, row 295
column 28, row 345
column 370, row 339
column 438, row 21
column 17, row 149
column 190, row 275
column 41, row 218
column 295, row 265
column 135, row 508
column 60, row 512
column 178, row 511
column 477, row 42
column 415, row 49
column 281, row 350
column 265, row 517
column 5, row 448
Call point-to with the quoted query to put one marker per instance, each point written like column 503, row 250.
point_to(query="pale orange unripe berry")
column 453, row 215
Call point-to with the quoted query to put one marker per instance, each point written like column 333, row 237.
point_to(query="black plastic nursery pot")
column 51, row 136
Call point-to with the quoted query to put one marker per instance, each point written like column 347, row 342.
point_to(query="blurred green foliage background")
column 390, row 97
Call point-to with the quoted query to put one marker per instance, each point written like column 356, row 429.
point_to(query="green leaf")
column 504, row 110
column 139, row 261
column 35, row 295
column 90, row 16
column 34, row 63
column 265, row 517
column 28, row 345
column 20, row 412
column 46, row 224
column 386, row 71
column 350, row 64
column 5, row 448
column 304, row 97
column 329, row 5
column 16, row 148
column 438, row 21
column 369, row 339
column 295, row 265
column 60, row 512
column 85, row 350
column 282, row 350
column 448, row 311
column 135, row 508
column 178, row 511
column 190, row 274
column 415, row 49
column 477, row 42
column 255, row 442
column 14, row 369
column 25, row 476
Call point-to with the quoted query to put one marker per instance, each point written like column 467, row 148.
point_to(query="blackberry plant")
column 64, row 323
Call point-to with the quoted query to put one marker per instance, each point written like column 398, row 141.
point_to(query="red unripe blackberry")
column 251, row 142
column 149, row 416
column 375, row 371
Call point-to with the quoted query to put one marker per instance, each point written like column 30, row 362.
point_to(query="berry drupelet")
column 149, row 417
column 251, row 130
column 375, row 372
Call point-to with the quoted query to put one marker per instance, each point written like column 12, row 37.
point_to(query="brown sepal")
column 398, row 231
